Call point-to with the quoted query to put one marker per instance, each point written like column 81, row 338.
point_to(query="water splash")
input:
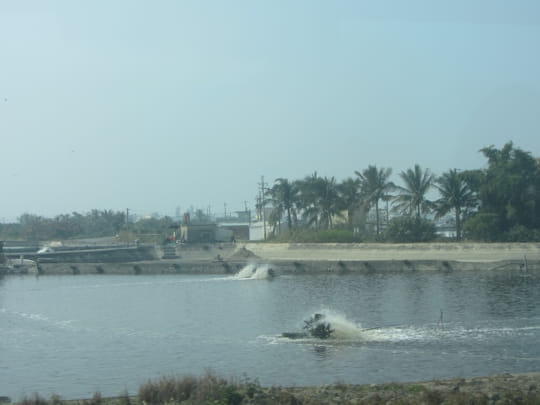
column 247, row 271
column 254, row 271
column 39, row 318
column 343, row 328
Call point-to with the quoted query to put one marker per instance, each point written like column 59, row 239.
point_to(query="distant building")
column 256, row 230
column 446, row 227
column 198, row 233
column 2, row 258
column 239, row 230
column 446, row 231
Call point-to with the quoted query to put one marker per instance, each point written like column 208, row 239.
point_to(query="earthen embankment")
column 288, row 258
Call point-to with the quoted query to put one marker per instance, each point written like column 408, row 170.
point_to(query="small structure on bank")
column 2, row 257
column 225, row 231
column 196, row 233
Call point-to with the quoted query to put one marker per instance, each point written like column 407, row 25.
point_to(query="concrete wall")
column 286, row 267
column 109, row 255
column 228, row 258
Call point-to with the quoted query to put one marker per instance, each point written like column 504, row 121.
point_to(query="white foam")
column 344, row 328
column 253, row 271
column 346, row 331
column 247, row 271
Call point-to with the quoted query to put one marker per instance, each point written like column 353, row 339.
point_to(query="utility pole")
column 247, row 212
column 127, row 225
column 262, row 191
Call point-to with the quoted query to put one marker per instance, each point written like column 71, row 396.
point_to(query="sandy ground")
column 500, row 389
column 470, row 252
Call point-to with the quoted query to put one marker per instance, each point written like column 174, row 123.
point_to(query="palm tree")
column 309, row 190
column 375, row 186
column 349, row 191
column 455, row 195
column 285, row 197
column 329, row 201
column 412, row 197
column 319, row 200
column 274, row 219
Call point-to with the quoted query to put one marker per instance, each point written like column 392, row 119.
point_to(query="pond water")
column 73, row 335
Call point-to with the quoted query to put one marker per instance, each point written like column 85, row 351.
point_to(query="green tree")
column 374, row 187
column 483, row 226
column 310, row 188
column 319, row 200
column 64, row 227
column 34, row 227
column 410, row 229
column 412, row 196
column 455, row 195
column 511, row 187
column 274, row 219
column 284, row 198
column 329, row 201
column 349, row 194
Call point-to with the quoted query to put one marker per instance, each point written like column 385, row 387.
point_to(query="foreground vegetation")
column 212, row 390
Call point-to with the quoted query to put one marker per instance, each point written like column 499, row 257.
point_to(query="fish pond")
column 74, row 335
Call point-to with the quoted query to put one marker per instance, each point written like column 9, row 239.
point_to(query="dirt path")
column 501, row 389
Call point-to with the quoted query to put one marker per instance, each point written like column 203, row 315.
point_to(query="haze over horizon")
column 156, row 105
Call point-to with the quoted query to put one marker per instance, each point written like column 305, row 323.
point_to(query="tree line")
column 76, row 225
column 498, row 203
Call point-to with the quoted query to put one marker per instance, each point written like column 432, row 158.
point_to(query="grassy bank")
column 210, row 389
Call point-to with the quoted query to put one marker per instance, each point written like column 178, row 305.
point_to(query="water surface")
column 73, row 335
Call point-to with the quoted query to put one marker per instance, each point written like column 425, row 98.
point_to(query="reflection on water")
column 73, row 335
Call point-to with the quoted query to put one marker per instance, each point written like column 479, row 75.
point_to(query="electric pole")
column 247, row 211
column 127, row 225
column 263, row 202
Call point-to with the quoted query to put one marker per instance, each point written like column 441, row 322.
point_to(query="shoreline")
column 494, row 389
column 489, row 389
column 288, row 258
column 282, row 267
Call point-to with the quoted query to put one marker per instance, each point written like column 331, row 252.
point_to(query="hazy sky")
column 150, row 105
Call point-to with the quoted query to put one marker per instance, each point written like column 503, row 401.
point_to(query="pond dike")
column 296, row 258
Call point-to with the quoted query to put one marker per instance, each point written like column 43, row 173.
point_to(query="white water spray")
column 247, row 271
column 343, row 328
column 254, row 271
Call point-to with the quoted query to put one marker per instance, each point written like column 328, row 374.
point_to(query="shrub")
column 36, row 399
column 483, row 227
column 410, row 229
column 519, row 233
column 124, row 398
column 55, row 400
column 167, row 389
column 97, row 399
column 318, row 236
column 208, row 389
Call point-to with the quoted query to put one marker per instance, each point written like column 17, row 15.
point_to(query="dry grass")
column 206, row 389
column 35, row 399
column 210, row 389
